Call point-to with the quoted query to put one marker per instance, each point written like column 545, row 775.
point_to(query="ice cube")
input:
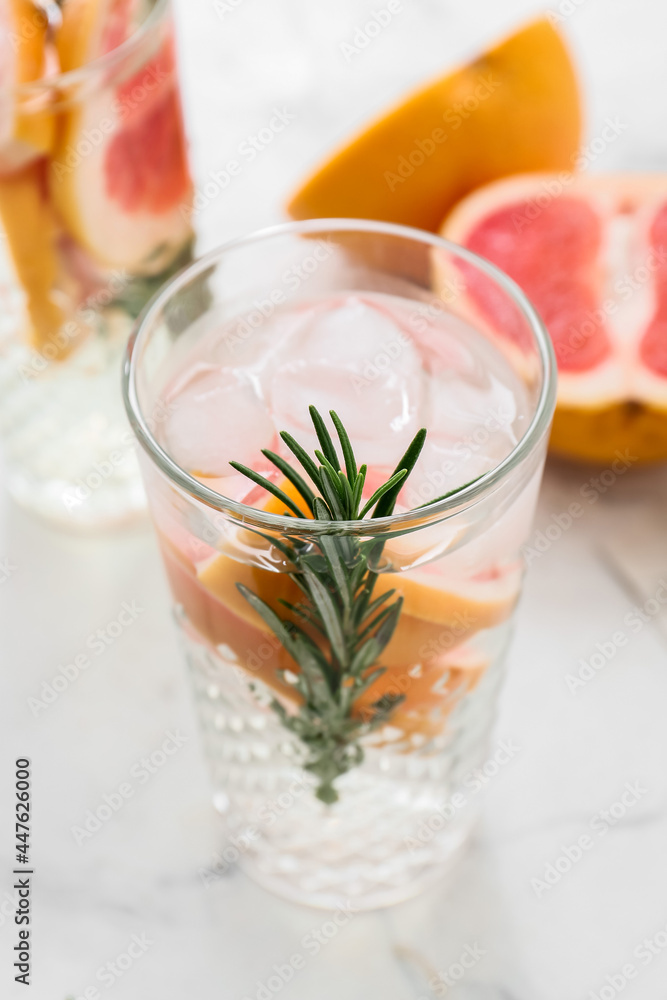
column 353, row 358
column 473, row 424
column 249, row 343
column 254, row 347
column 214, row 417
column 456, row 407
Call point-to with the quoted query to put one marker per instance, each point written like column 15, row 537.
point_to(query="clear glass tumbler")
column 95, row 197
column 345, row 668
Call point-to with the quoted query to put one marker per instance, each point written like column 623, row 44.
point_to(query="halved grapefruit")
column 590, row 251
column 514, row 108
column 119, row 177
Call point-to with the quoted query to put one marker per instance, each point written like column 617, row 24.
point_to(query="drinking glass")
column 345, row 671
column 95, row 198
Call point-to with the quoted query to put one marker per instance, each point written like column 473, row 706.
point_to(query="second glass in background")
column 95, row 198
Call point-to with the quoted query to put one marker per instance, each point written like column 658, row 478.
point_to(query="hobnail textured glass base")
column 398, row 823
column 69, row 453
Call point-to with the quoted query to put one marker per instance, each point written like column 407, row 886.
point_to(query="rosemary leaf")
column 388, row 626
column 368, row 629
column 337, row 568
column 346, row 445
column 322, row 512
column 268, row 486
column 302, row 455
column 331, row 495
column 398, row 477
column 289, row 473
column 329, row 615
column 358, row 489
column 407, row 462
column 445, row 496
column 337, row 632
column 324, row 438
column 300, row 652
column 349, row 500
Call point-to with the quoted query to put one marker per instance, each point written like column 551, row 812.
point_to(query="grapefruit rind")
column 412, row 165
column 89, row 29
column 26, row 135
column 27, row 127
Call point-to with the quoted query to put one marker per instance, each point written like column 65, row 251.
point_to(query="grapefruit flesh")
column 123, row 190
column 590, row 251
column 513, row 109
column 146, row 169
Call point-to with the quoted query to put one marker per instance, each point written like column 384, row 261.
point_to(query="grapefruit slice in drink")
column 27, row 133
column 119, row 177
column 91, row 28
column 26, row 124
column 429, row 693
column 590, row 251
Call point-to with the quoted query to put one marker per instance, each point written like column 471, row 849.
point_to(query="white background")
column 138, row 875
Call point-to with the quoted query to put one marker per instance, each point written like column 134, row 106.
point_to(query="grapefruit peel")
column 515, row 108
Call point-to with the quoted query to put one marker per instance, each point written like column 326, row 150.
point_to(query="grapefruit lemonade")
column 341, row 484
column 95, row 200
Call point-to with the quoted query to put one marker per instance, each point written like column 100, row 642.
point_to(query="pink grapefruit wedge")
column 590, row 251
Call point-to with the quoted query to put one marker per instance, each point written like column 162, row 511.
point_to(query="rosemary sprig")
column 337, row 634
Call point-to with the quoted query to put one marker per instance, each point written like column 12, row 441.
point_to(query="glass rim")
column 60, row 81
column 406, row 520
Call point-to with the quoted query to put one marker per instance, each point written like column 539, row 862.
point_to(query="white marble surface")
column 138, row 874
